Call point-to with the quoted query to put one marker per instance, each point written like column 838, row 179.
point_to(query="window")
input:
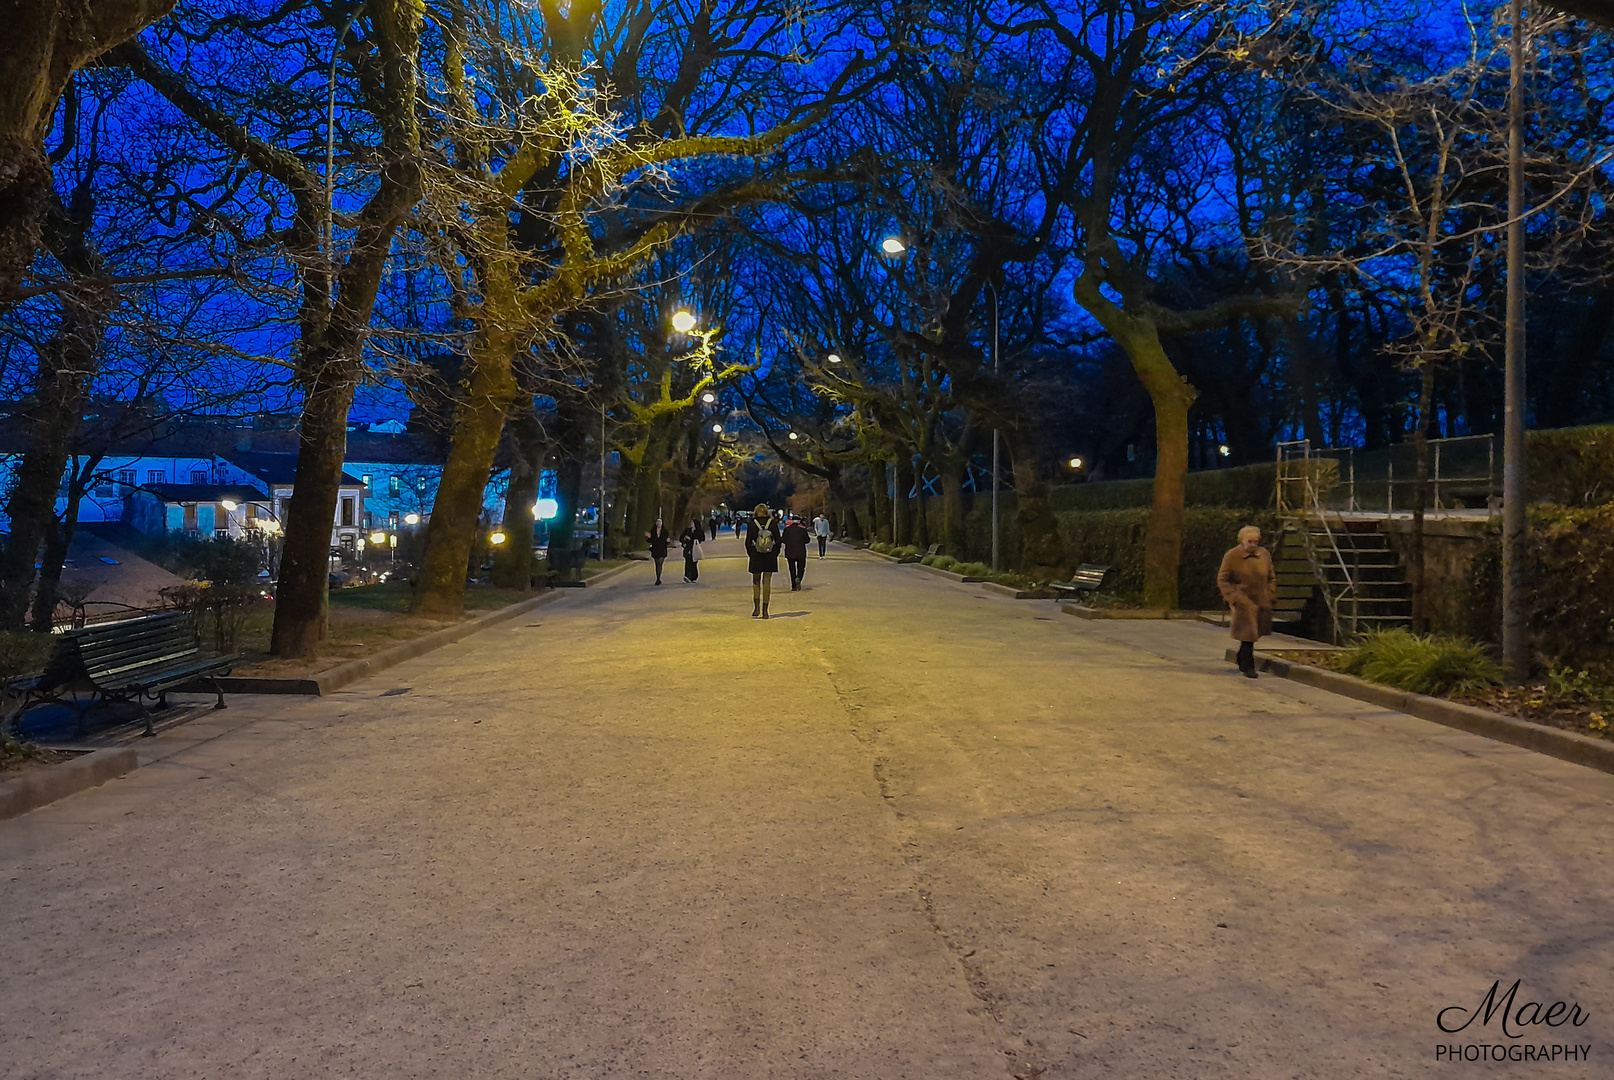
column 394, row 484
column 198, row 476
column 392, row 520
column 365, row 479
column 347, row 512
column 154, row 476
column 126, row 477
column 368, row 521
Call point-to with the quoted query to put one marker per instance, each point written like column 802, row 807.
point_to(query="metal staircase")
column 1348, row 561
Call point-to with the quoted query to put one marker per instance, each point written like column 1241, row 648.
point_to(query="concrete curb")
column 1566, row 745
column 337, row 677
column 949, row 575
column 1019, row 594
column 43, row 786
column 1082, row 611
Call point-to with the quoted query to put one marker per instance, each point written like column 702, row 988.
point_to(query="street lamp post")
column 995, row 439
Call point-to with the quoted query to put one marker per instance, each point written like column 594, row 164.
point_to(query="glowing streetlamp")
column 496, row 539
column 708, row 397
column 893, row 245
column 411, row 519
column 683, row 321
column 1075, row 463
column 1224, row 449
column 378, row 537
column 718, row 428
column 794, row 436
column 833, row 358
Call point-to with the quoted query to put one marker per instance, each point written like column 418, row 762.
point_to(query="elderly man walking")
column 1249, row 584
column 821, row 531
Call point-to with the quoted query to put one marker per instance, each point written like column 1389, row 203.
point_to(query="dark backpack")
column 763, row 542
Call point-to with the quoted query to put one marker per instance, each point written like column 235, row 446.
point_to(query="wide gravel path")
column 905, row 828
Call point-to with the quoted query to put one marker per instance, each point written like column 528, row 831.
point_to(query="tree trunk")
column 1172, row 396
column 901, row 516
column 302, row 595
column 457, row 511
column 512, row 563
column 568, row 489
column 879, row 504
column 58, row 540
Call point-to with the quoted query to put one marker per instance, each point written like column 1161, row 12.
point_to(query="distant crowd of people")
column 767, row 535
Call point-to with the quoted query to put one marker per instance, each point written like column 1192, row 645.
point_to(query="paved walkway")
column 903, row 829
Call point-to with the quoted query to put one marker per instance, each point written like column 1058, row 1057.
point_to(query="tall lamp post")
column 1515, row 643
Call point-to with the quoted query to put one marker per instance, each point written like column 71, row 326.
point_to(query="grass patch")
column 1422, row 664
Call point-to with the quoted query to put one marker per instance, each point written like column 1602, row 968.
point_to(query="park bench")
column 125, row 661
column 566, row 567
column 1086, row 581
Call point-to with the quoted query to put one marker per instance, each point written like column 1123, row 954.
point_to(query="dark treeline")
column 1102, row 231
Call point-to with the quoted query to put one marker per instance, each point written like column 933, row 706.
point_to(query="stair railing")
column 1300, row 495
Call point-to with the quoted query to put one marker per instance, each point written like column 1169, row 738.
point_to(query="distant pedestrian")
column 794, row 540
column 1249, row 585
column 691, row 539
column 660, row 539
column 821, row 530
column 762, row 545
column 711, row 526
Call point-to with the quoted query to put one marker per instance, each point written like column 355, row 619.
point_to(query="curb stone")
column 335, row 678
column 1082, row 611
column 1565, row 745
column 41, row 787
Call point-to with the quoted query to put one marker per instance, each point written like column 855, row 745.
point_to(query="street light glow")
column 892, row 245
column 794, row 436
column 229, row 504
column 411, row 519
column 1075, row 462
column 544, row 509
column 718, row 428
column 378, row 537
column 1224, row 450
column 834, row 358
column 496, row 538
column 683, row 321
column 708, row 397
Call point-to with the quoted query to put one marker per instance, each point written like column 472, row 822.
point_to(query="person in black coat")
column 794, row 540
column 762, row 546
column 691, row 539
column 660, row 539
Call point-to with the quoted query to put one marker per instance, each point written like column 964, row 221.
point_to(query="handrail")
column 1311, row 506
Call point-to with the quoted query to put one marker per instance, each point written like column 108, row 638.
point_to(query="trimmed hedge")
column 1114, row 538
column 1247, row 487
column 1571, row 466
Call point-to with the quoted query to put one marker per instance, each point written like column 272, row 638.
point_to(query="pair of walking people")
column 661, row 540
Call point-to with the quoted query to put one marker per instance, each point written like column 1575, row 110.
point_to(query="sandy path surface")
column 903, row 829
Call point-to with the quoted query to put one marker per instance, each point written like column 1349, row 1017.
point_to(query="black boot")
column 1247, row 659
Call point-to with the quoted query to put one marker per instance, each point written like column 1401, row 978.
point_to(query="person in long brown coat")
column 1249, row 584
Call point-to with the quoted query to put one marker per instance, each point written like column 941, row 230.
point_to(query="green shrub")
column 881, row 546
column 1248, row 487
column 972, row 569
column 940, row 562
column 1572, row 466
column 1422, row 664
column 904, row 551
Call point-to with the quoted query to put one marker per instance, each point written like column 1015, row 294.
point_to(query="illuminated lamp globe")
column 496, row 538
column 683, row 321
column 891, row 245
column 229, row 504
column 378, row 537
column 708, row 397
column 834, row 358
column 718, row 428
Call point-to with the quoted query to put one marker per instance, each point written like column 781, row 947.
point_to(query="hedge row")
column 1569, row 573
column 1114, row 538
column 1244, row 488
column 1572, row 466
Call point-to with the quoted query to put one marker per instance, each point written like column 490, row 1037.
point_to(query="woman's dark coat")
column 1250, row 586
column 762, row 563
column 660, row 540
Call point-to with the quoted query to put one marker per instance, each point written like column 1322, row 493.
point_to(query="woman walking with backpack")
column 691, row 539
column 762, row 545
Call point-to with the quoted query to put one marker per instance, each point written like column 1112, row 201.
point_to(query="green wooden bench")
column 131, row 660
column 1086, row 581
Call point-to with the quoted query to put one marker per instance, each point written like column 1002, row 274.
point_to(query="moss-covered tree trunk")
column 512, row 561
column 478, row 423
column 1169, row 392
